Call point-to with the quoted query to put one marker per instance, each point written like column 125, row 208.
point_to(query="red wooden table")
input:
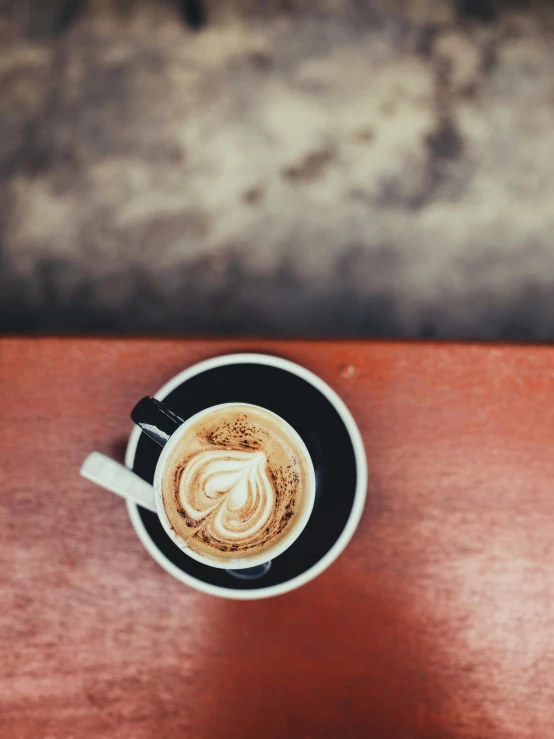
column 437, row 621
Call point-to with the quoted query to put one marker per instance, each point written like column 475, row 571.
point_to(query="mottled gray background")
column 293, row 167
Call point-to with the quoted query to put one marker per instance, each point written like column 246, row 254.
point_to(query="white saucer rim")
column 359, row 495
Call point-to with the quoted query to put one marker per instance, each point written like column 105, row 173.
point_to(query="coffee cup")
column 226, row 471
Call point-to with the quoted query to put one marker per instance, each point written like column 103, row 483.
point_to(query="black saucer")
column 321, row 427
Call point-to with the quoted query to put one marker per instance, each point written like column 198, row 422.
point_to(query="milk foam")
column 235, row 485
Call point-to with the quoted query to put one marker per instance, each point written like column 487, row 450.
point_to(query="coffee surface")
column 235, row 484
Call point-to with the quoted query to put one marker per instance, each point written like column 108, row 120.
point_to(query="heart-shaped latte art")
column 228, row 494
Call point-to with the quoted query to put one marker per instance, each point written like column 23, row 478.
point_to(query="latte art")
column 236, row 484
column 229, row 491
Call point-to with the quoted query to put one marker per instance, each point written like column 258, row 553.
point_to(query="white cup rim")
column 237, row 563
column 359, row 494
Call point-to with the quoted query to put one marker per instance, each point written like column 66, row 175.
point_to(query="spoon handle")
column 118, row 479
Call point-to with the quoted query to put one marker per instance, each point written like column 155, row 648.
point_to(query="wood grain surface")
column 437, row 621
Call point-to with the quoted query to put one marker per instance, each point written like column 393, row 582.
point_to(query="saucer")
column 333, row 440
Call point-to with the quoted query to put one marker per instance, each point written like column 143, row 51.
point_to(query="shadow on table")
column 340, row 658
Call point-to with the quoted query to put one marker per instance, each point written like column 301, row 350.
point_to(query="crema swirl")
column 235, row 484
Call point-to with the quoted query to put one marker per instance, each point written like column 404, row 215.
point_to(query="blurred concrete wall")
column 329, row 167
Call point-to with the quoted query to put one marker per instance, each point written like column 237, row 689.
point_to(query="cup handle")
column 156, row 420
